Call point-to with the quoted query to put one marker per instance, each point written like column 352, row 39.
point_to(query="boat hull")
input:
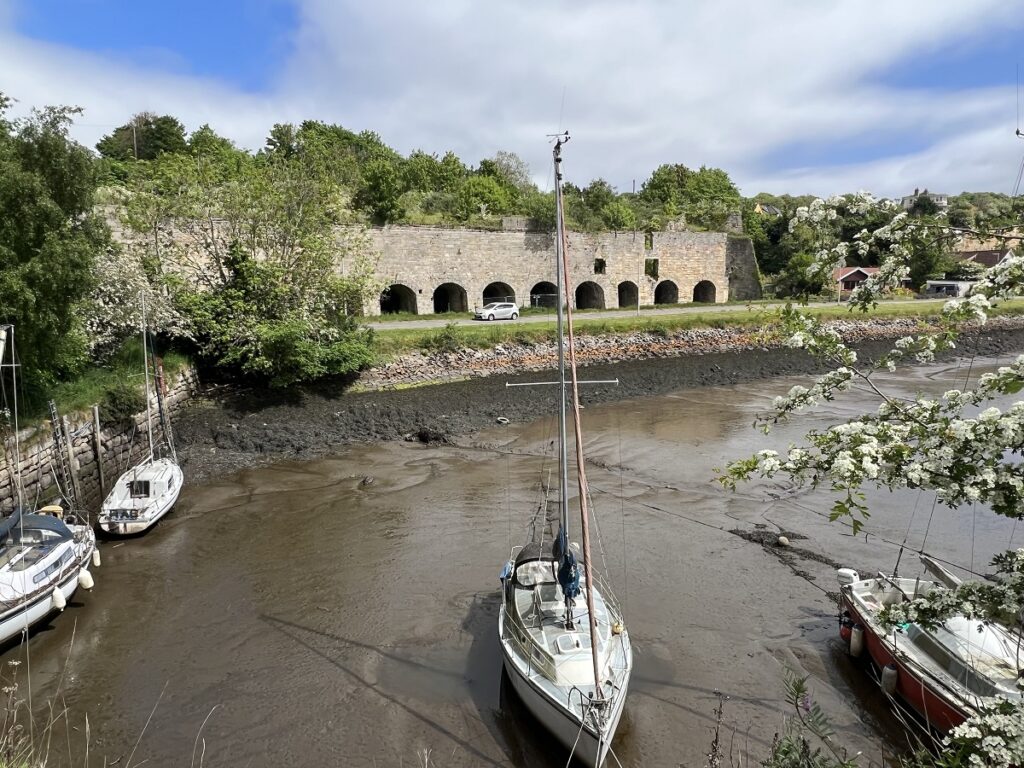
column 159, row 507
column 921, row 695
column 582, row 743
column 14, row 623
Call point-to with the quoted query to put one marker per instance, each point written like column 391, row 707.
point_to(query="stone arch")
column 667, row 292
column 397, row 298
column 589, row 295
column 498, row 291
column 629, row 294
column 704, row 292
column 544, row 294
column 450, row 297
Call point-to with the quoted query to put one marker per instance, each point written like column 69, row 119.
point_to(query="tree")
column 618, row 216
column 709, row 196
column 380, row 191
column 145, row 137
column 279, row 287
column 206, row 141
column 482, row 196
column 50, row 237
column 960, row 445
column 924, row 206
column 706, row 196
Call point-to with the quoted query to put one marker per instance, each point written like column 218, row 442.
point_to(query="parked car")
column 497, row 310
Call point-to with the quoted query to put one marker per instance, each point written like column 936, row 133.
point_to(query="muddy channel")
column 339, row 607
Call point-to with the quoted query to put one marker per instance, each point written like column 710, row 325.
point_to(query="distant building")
column 851, row 277
column 987, row 258
column 941, row 201
column 766, row 210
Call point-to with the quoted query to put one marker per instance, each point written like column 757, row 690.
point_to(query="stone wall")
column 741, row 266
column 433, row 269
column 118, row 449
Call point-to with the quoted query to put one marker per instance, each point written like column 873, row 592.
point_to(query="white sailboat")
column 570, row 668
column 44, row 557
column 148, row 490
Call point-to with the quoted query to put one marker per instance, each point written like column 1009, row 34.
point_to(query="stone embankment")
column 96, row 459
column 505, row 359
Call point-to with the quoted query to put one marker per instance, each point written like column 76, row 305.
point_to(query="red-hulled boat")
column 942, row 674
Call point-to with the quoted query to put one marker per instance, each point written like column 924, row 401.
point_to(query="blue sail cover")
column 568, row 568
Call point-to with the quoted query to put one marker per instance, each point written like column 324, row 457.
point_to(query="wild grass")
column 95, row 382
column 392, row 342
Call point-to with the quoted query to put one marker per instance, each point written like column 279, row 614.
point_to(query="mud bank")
column 232, row 429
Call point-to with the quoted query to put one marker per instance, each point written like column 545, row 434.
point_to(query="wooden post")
column 98, row 448
column 71, row 461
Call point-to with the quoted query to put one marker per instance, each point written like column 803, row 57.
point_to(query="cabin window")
column 138, row 489
column 599, row 266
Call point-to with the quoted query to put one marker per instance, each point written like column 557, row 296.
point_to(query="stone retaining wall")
column 118, row 449
column 433, row 269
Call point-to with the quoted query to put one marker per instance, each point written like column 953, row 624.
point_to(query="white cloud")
column 727, row 83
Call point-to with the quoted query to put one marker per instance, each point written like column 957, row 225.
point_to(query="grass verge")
column 392, row 342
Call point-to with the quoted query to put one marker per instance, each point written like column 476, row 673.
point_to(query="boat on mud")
column 44, row 556
column 569, row 666
column 148, row 490
column 943, row 674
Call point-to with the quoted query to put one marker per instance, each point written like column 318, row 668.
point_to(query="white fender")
column 889, row 677
column 85, row 580
column 856, row 640
column 96, row 558
column 59, row 601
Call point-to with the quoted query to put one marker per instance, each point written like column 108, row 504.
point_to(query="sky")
column 792, row 96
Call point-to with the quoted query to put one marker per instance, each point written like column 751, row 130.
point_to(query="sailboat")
column 148, row 490
column 570, row 668
column 44, row 556
column 945, row 673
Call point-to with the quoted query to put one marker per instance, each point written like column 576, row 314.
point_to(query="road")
column 677, row 309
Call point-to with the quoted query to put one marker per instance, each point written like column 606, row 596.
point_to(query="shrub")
column 121, row 402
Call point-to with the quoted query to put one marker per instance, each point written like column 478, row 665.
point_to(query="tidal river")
column 343, row 611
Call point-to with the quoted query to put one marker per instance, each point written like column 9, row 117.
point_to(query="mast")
column 145, row 366
column 563, row 451
column 567, row 340
column 7, row 331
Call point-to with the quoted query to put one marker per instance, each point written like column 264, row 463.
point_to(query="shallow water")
column 343, row 611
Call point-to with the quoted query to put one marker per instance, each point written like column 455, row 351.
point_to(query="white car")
column 497, row 310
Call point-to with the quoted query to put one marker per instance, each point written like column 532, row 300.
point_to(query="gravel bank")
column 236, row 428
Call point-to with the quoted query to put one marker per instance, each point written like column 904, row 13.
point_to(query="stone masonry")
column 118, row 449
column 433, row 269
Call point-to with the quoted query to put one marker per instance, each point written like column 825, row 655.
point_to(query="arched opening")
column 704, row 292
column 498, row 292
column 544, row 294
column 589, row 295
column 450, row 297
column 629, row 295
column 667, row 292
column 397, row 298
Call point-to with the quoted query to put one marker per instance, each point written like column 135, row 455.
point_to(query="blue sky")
column 824, row 96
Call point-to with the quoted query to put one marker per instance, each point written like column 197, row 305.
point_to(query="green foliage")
column 380, row 191
column 121, row 401
column 985, row 210
column 144, row 137
column 49, row 239
column 705, row 197
column 483, row 195
column 448, row 339
column 924, row 206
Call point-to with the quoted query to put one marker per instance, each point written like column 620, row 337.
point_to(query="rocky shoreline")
column 235, row 428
